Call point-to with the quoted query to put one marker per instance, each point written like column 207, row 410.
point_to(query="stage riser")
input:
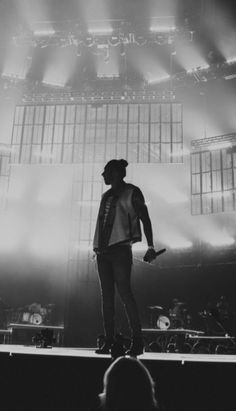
column 60, row 383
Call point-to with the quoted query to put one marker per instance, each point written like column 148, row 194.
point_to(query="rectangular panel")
column 37, row 134
column 228, row 201
column 196, row 204
column 133, row 133
column 89, row 153
column 110, row 151
column 39, row 115
column 78, row 153
column 217, row 204
column 165, row 133
column 112, row 113
column 50, row 113
column 206, row 161
column 79, row 133
column 144, row 113
column 177, row 133
column 69, row 134
column 206, row 204
column 226, row 159
column 195, row 163
column 60, row 114
column 155, row 133
column 155, row 154
column 67, row 153
column 56, row 153
column 80, row 113
column 27, row 134
column 143, row 132
column 143, row 153
column 165, row 113
column 133, row 113
column 100, row 133
column 58, row 134
column 29, row 115
column 177, row 113
column 155, row 113
column 91, row 113
column 70, row 114
column 99, row 156
column 122, row 113
column 26, row 153
column 16, row 135
column 121, row 150
column 90, row 132
column 101, row 113
column 19, row 115
column 206, row 182
column 122, row 132
column 166, row 153
column 227, row 179
column 36, row 153
column 48, row 133
column 196, row 184
column 111, row 133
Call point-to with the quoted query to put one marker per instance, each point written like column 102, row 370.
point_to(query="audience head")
column 128, row 386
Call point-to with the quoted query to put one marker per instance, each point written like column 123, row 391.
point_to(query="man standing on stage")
column 118, row 227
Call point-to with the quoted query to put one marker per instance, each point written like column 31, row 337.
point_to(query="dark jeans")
column 114, row 268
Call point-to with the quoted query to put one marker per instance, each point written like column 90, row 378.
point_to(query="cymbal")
column 155, row 307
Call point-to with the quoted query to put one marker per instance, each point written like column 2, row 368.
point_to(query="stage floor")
column 70, row 379
column 90, row 353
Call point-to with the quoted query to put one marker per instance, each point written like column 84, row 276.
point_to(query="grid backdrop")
column 213, row 182
column 95, row 133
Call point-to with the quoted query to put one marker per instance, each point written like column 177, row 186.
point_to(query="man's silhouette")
column 118, row 227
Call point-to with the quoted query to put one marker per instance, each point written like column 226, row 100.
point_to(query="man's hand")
column 150, row 255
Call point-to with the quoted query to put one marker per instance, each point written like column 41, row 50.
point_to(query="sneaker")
column 105, row 348
column 136, row 348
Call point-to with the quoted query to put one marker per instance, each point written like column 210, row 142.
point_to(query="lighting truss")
column 213, row 174
column 115, row 32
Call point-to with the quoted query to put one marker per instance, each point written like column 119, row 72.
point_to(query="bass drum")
column 25, row 317
column 163, row 322
column 36, row 319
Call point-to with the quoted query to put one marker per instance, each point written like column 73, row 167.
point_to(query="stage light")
column 162, row 29
column 47, row 32
column 100, row 30
column 156, row 80
column 231, row 60
column 53, row 83
column 196, row 69
column 222, row 241
column 179, row 243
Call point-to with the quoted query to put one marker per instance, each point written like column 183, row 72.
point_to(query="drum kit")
column 33, row 314
column 176, row 317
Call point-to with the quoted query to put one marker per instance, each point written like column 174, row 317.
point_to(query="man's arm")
column 142, row 211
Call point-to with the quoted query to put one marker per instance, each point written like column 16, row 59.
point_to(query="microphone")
column 149, row 258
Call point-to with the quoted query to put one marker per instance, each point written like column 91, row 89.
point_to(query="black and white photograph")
column 117, row 205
